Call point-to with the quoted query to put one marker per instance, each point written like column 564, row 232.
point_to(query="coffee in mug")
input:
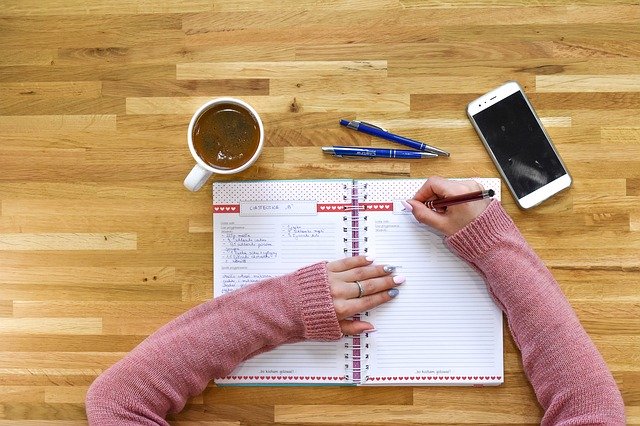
column 225, row 136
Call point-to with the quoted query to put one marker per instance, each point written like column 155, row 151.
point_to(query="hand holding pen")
column 448, row 221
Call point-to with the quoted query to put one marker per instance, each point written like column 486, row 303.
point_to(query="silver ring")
column 360, row 289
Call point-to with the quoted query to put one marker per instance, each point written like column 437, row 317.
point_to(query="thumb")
column 353, row 327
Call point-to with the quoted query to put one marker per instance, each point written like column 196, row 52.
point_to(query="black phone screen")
column 519, row 144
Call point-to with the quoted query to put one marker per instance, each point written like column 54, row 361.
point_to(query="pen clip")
column 364, row 122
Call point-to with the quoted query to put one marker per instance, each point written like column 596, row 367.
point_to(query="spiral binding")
column 355, row 230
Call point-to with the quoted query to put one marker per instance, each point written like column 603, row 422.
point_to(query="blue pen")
column 355, row 151
column 382, row 133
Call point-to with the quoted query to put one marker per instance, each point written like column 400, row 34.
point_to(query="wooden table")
column 100, row 244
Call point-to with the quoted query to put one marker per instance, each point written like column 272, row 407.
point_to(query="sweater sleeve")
column 207, row 342
column 569, row 376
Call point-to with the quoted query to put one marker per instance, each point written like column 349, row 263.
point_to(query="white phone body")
column 518, row 145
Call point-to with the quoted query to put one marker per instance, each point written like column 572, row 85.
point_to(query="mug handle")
column 196, row 178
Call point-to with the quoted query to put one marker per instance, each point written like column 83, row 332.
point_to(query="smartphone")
column 518, row 144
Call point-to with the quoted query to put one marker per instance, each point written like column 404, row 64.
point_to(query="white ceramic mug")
column 202, row 171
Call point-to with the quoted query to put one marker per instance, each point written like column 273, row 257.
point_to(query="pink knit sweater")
column 571, row 380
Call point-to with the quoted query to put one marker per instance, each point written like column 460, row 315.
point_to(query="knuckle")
column 333, row 291
column 368, row 287
column 341, row 310
column 360, row 274
column 375, row 300
column 421, row 216
column 472, row 184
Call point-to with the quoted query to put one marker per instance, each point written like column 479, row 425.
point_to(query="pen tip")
column 491, row 193
column 428, row 155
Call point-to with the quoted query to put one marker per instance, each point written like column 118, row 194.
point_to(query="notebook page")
column 264, row 229
column 443, row 328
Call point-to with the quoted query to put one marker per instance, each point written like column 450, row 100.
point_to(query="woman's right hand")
column 453, row 218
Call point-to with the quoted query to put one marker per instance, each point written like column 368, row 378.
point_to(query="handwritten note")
column 268, row 239
column 250, row 249
column 250, row 252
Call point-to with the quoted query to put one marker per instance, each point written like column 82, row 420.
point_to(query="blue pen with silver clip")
column 370, row 129
column 355, row 151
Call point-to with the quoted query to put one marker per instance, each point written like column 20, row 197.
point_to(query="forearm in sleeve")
column 569, row 376
column 209, row 341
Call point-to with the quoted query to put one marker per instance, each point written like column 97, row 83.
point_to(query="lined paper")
column 443, row 328
column 443, row 324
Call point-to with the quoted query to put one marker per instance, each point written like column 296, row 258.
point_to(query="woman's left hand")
column 377, row 283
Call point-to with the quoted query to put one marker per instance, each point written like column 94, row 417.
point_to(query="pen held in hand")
column 441, row 203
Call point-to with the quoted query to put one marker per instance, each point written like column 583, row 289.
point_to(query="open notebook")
column 442, row 329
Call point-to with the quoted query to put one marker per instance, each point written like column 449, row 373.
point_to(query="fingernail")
column 389, row 268
column 406, row 206
column 399, row 279
column 393, row 292
column 371, row 330
column 370, row 259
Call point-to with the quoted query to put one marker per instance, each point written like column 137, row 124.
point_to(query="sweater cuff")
column 318, row 312
column 482, row 233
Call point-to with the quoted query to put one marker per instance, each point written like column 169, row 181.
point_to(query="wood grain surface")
column 100, row 244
